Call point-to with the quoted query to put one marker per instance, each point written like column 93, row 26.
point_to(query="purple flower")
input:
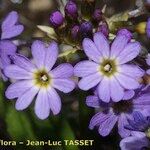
column 10, row 28
column 56, row 19
column 118, row 112
column 148, row 28
column 139, row 139
column 107, row 68
column 71, row 9
column 39, row 79
column 148, row 63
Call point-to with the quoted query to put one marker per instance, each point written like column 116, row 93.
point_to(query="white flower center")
column 107, row 68
column 44, row 78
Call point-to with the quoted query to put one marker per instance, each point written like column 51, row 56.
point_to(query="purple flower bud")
column 97, row 15
column 125, row 32
column 148, row 28
column 86, row 28
column 71, row 9
column 104, row 29
column 75, row 31
column 56, row 19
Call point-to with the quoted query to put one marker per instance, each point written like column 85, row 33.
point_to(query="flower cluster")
column 74, row 25
column 110, row 69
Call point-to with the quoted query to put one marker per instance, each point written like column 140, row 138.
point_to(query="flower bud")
column 86, row 28
column 71, row 9
column 103, row 28
column 75, row 31
column 125, row 32
column 97, row 15
column 56, row 19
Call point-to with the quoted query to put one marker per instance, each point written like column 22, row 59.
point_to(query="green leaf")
column 67, row 134
column 18, row 125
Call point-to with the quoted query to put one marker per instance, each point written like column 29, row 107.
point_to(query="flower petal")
column 23, row 62
column 12, row 32
column 134, row 143
column 42, row 107
column 131, row 70
column 9, row 26
column 85, row 68
column 91, row 50
column 54, row 101
column 122, row 121
column 15, row 72
column 62, row 71
column 18, row 88
column 98, row 119
column 148, row 59
column 128, row 94
column 5, row 60
column 129, row 52
column 127, row 82
column 93, row 101
column 10, row 20
column 104, row 90
column 142, row 101
column 90, row 81
column 51, row 55
column 38, row 53
column 64, row 85
column 117, row 92
column 138, row 134
column 106, row 127
column 102, row 44
column 7, row 47
column 148, row 71
column 118, row 45
column 25, row 100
